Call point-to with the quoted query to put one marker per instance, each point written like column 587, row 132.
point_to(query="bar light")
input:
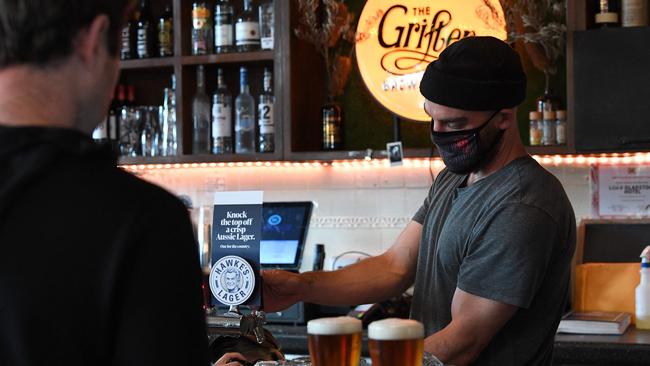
column 411, row 163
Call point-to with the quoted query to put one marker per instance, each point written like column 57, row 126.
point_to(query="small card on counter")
column 594, row 322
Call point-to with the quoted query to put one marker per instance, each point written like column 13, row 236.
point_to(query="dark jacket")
column 97, row 267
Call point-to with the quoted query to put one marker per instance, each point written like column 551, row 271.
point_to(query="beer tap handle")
column 258, row 330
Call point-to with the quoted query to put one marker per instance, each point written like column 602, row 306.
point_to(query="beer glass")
column 396, row 342
column 334, row 341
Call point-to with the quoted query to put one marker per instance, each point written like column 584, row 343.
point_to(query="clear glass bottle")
column 267, row 25
column 166, row 33
column 224, row 17
column 169, row 144
column 221, row 117
column 244, row 117
column 201, row 28
column 247, row 29
column 548, row 126
column 535, row 130
column 560, row 127
column 144, row 31
column 265, row 116
column 201, row 115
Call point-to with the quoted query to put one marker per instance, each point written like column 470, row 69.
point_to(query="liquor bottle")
column 223, row 26
column 221, row 117
column 201, row 29
column 144, row 31
column 608, row 13
column 267, row 24
column 634, row 13
column 332, row 120
column 113, row 127
column 244, row 117
column 127, row 39
column 168, row 124
column 201, row 115
column 166, row 33
column 130, row 96
column 247, row 29
column 265, row 116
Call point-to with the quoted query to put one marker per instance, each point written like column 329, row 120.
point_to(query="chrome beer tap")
column 235, row 324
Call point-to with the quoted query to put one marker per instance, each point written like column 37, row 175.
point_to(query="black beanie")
column 476, row 74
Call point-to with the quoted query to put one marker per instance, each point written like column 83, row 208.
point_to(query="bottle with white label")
column 224, row 37
column 244, row 117
column 221, row 118
column 144, row 31
column 247, row 29
column 266, row 141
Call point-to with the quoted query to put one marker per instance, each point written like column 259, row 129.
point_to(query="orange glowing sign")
column 397, row 39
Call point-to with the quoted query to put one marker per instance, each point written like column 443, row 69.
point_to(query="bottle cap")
column 535, row 116
column 561, row 115
column 549, row 114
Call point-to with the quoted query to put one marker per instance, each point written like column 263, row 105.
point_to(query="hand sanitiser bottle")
column 643, row 292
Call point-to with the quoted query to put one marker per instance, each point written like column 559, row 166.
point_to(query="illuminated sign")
column 397, row 39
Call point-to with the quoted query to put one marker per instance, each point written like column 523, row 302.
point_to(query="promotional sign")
column 620, row 191
column 397, row 39
column 236, row 234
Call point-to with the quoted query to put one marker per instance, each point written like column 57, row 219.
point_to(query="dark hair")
column 41, row 31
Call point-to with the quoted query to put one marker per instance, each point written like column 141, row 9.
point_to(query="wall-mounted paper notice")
column 620, row 191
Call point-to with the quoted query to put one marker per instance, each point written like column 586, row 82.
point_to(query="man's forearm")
column 372, row 280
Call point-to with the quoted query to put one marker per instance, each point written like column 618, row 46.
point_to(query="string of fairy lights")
column 414, row 163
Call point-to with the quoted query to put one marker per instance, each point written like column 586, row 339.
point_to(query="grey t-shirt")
column 509, row 237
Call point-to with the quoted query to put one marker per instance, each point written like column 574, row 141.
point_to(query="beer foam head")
column 333, row 326
column 395, row 329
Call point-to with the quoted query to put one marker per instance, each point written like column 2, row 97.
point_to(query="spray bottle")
column 643, row 292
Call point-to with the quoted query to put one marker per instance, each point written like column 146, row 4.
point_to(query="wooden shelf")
column 549, row 150
column 189, row 159
column 242, row 57
column 148, row 63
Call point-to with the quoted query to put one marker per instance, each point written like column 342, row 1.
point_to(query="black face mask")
column 463, row 151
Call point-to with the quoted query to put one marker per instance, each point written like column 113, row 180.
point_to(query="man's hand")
column 282, row 289
column 231, row 359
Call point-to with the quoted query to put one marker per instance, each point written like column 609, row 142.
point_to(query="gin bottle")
column 201, row 115
column 221, row 118
column 245, row 117
column 265, row 116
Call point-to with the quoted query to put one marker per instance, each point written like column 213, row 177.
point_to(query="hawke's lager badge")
column 232, row 280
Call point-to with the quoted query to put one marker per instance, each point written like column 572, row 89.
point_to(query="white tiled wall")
column 356, row 208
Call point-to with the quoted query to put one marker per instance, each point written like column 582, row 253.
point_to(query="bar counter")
column 631, row 348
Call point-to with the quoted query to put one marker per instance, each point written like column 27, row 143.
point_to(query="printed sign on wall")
column 620, row 191
column 397, row 39
column 236, row 234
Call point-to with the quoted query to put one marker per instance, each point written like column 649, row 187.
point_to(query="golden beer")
column 334, row 341
column 396, row 342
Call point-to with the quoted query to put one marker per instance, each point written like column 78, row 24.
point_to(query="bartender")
column 489, row 251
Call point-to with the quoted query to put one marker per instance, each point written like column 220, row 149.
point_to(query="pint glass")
column 396, row 342
column 334, row 341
